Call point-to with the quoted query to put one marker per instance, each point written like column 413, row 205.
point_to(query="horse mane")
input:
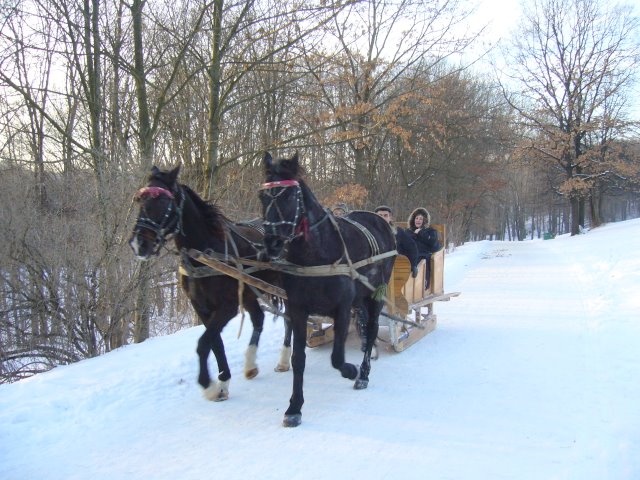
column 213, row 216
column 288, row 169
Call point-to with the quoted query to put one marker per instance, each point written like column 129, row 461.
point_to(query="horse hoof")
column 222, row 396
column 281, row 368
column 214, row 395
column 350, row 371
column 217, row 392
column 253, row 373
column 292, row 420
column 360, row 384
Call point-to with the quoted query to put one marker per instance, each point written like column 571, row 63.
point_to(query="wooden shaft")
column 237, row 274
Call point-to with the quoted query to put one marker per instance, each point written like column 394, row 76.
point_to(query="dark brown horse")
column 172, row 210
column 304, row 238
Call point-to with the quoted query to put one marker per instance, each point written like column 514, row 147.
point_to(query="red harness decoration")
column 303, row 227
column 280, row 183
column 152, row 192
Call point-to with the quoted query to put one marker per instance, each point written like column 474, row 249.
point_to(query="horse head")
column 160, row 213
column 283, row 208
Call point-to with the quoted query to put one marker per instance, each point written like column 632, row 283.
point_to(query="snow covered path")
column 545, row 340
column 533, row 373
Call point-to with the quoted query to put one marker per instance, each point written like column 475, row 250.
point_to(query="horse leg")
column 293, row 415
column 203, row 349
column 341, row 328
column 361, row 326
column 212, row 340
column 372, row 310
column 219, row 390
column 257, row 319
column 284, row 364
column 361, row 322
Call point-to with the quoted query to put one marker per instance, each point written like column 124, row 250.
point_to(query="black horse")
column 169, row 209
column 353, row 257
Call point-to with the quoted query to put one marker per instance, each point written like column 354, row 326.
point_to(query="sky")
column 501, row 18
column 531, row 374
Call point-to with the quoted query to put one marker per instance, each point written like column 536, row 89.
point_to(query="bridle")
column 299, row 225
column 170, row 223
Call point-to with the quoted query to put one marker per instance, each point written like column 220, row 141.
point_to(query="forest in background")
column 380, row 99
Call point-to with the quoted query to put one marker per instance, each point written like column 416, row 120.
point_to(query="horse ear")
column 294, row 159
column 173, row 175
column 267, row 161
column 155, row 170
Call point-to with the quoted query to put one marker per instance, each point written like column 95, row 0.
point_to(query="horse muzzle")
column 142, row 247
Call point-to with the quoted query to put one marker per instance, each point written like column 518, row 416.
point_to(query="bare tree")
column 572, row 60
column 26, row 69
column 386, row 49
column 252, row 38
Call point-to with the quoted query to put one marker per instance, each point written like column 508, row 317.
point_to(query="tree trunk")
column 215, row 109
column 595, row 201
column 575, row 215
column 582, row 211
column 145, row 138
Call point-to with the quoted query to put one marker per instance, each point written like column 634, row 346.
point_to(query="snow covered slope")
column 532, row 373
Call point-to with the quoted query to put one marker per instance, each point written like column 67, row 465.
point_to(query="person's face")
column 338, row 212
column 419, row 221
column 386, row 214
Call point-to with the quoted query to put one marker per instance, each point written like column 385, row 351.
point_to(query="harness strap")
column 373, row 243
column 305, row 271
column 314, row 270
column 228, row 238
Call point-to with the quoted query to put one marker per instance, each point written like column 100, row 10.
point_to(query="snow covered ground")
column 532, row 373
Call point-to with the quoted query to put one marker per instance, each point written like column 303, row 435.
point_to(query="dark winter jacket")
column 427, row 238
column 408, row 248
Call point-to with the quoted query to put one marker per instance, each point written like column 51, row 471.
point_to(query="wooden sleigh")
column 407, row 297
